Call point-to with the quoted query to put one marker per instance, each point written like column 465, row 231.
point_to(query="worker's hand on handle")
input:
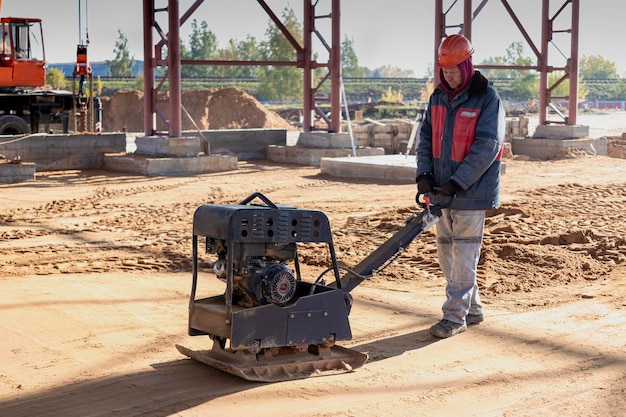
column 425, row 183
column 450, row 188
column 434, row 199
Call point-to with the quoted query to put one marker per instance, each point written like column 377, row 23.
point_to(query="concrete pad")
column 545, row 149
column 141, row 165
column 325, row 140
column 162, row 146
column 312, row 156
column 561, row 132
column 242, row 143
column 19, row 172
column 399, row 168
column 63, row 151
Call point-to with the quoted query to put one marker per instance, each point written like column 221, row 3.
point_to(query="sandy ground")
column 95, row 276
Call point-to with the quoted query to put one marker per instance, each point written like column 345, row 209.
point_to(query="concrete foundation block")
column 399, row 168
column 242, row 143
column 160, row 146
column 301, row 155
column 64, row 151
column 325, row 140
column 141, row 165
column 545, row 149
column 19, row 172
column 561, row 132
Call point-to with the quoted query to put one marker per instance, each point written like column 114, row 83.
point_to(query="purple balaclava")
column 467, row 72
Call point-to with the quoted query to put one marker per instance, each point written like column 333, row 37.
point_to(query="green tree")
column 249, row 49
column 495, row 73
column 227, row 54
column 349, row 61
column 56, row 79
column 246, row 50
column 620, row 90
column 525, row 86
column 138, row 83
column 596, row 67
column 122, row 64
column 392, row 96
column 390, row 71
column 525, row 83
column 203, row 45
column 279, row 82
column 514, row 57
column 562, row 90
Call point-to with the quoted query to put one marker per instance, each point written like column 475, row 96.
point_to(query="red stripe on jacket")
column 464, row 131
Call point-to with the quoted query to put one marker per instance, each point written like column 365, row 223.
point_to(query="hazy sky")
column 391, row 32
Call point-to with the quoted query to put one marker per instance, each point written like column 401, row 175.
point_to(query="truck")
column 26, row 104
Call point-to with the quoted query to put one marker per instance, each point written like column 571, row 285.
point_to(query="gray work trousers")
column 459, row 239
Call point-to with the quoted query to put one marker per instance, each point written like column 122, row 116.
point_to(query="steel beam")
column 169, row 43
column 542, row 66
column 153, row 58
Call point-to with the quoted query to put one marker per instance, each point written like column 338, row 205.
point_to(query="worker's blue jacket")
column 462, row 140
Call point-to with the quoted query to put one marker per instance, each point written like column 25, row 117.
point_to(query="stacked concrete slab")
column 311, row 147
column 63, row 151
column 550, row 141
column 196, row 152
column 17, row 172
column 391, row 135
column 163, row 156
column 396, row 168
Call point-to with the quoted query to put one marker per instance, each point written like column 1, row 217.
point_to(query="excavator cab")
column 22, row 58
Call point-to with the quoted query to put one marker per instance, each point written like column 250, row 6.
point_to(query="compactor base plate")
column 280, row 364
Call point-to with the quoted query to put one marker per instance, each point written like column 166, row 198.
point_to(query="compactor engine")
column 270, row 323
column 260, row 272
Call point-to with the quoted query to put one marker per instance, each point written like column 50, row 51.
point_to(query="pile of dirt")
column 221, row 108
column 616, row 146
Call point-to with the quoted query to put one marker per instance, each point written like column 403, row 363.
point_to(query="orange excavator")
column 26, row 104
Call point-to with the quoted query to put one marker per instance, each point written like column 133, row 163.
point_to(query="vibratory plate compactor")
column 271, row 324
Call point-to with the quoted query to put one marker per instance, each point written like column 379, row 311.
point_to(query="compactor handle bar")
column 252, row 196
column 425, row 202
column 415, row 226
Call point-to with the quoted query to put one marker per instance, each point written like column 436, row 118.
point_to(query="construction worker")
column 458, row 157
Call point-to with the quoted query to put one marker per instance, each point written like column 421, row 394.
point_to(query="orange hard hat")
column 453, row 50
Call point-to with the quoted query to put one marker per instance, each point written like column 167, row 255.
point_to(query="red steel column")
column 546, row 34
column 573, row 64
column 335, row 68
column 148, row 69
column 440, row 31
column 309, row 95
column 173, row 58
column 467, row 19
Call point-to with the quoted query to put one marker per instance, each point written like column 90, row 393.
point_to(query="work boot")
column 474, row 318
column 446, row 328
